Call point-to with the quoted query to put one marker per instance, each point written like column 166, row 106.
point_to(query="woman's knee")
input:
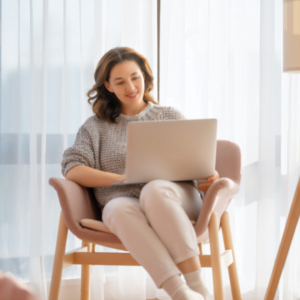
column 119, row 209
column 156, row 192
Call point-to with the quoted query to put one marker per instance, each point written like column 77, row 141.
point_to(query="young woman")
column 152, row 220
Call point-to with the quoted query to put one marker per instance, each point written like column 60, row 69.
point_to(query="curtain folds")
column 224, row 60
column 217, row 60
column 49, row 52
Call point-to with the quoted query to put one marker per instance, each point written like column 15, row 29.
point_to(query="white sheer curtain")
column 223, row 59
column 49, row 51
column 218, row 59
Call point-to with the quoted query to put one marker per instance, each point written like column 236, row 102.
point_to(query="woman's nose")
column 129, row 86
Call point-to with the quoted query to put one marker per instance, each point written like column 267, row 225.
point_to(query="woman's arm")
column 90, row 177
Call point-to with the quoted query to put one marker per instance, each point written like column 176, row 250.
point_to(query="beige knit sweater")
column 102, row 146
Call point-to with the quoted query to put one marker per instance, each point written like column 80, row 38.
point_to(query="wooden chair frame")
column 86, row 256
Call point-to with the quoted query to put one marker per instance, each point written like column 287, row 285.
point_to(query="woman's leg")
column 123, row 216
column 189, row 265
column 169, row 207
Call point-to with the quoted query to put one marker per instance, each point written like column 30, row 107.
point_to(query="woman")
column 152, row 220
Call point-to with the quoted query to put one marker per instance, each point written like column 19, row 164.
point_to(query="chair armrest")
column 217, row 199
column 74, row 201
column 76, row 205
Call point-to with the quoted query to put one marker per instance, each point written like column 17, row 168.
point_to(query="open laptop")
column 175, row 150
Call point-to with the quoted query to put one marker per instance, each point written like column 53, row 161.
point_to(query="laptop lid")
column 175, row 150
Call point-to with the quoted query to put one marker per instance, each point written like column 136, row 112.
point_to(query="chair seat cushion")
column 95, row 225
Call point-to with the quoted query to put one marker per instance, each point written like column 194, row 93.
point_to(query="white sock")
column 178, row 290
column 195, row 281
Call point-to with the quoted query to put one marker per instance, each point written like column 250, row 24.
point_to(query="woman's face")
column 127, row 83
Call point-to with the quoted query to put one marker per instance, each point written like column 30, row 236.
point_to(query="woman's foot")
column 195, row 281
column 185, row 293
column 178, row 290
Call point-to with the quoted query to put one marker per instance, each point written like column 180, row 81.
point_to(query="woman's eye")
column 119, row 83
column 136, row 77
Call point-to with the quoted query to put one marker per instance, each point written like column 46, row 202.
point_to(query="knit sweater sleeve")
column 81, row 153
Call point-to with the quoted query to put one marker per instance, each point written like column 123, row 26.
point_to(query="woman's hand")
column 122, row 178
column 203, row 186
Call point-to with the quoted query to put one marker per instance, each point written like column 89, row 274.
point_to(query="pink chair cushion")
column 95, row 225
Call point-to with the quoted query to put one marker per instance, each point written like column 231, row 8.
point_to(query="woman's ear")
column 107, row 85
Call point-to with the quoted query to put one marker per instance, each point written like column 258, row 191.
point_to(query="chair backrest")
column 228, row 160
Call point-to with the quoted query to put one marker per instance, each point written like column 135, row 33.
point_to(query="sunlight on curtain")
column 210, row 65
column 49, row 52
column 223, row 59
column 219, row 59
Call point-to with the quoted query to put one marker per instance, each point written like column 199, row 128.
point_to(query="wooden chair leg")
column 215, row 257
column 232, row 269
column 85, row 276
column 58, row 259
column 200, row 245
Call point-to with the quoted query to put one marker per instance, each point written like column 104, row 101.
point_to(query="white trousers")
column 156, row 229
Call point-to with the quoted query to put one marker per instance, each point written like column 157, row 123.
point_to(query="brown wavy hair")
column 105, row 104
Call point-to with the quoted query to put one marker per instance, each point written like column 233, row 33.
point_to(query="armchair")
column 82, row 217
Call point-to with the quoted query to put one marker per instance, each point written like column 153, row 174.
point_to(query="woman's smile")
column 131, row 96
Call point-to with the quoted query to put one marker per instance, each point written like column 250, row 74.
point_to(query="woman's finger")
column 213, row 177
column 203, row 187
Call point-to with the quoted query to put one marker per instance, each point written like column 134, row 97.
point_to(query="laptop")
column 175, row 150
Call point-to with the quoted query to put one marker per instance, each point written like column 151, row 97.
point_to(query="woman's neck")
column 132, row 111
